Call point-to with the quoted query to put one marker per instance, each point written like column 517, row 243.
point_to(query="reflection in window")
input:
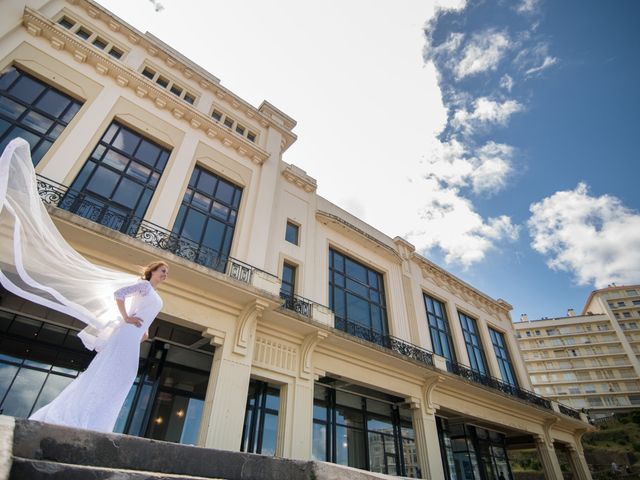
column 439, row 328
column 208, row 217
column 365, row 433
column 356, row 296
column 502, row 354
column 32, row 110
column 117, row 181
column 291, row 233
column 474, row 345
column 260, row 430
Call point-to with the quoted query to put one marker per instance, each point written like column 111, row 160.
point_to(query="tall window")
column 356, row 296
column 116, row 184
column 502, row 354
column 32, row 110
column 208, row 216
column 291, row 233
column 439, row 328
column 288, row 288
column 364, row 433
column 474, row 345
column 260, row 430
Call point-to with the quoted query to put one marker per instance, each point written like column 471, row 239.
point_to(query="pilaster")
column 548, row 458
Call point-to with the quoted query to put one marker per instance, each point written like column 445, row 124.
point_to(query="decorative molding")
column 299, row 178
column 216, row 337
column 35, row 23
column 329, row 218
column 427, row 390
column 308, row 347
column 275, row 355
column 246, row 323
column 459, row 288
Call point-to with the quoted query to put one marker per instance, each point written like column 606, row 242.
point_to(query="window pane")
column 126, row 141
column 127, row 193
column 148, row 153
column 225, row 192
column 38, row 122
column 10, row 108
column 27, row 89
column 53, row 103
column 213, row 235
column 103, row 182
column 23, row 392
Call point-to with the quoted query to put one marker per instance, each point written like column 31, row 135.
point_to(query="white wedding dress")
column 94, row 399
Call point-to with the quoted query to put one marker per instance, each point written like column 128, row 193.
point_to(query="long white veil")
column 37, row 263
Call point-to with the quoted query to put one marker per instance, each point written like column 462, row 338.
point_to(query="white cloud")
column 506, row 82
column 492, row 168
column 485, row 169
column 450, row 222
column 485, row 112
column 595, row 238
column 483, row 52
column 546, row 63
column 528, row 6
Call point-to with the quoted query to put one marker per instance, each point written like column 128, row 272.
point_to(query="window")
column 621, row 304
column 631, row 292
column 34, row 111
column 474, row 345
column 636, row 302
column 363, row 432
column 356, row 296
column 502, row 355
column 116, row 183
column 116, row 53
column 626, row 314
column 439, row 328
column 291, row 233
column 66, row 23
column 168, row 84
column 83, row 33
column 208, row 217
column 100, row 43
column 288, row 288
column 260, row 431
column 232, row 124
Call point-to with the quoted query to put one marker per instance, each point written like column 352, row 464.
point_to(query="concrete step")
column 42, row 451
column 30, row 469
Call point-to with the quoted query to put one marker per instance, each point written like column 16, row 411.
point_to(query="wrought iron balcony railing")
column 114, row 217
column 569, row 411
column 298, row 304
column 492, row 382
column 387, row 341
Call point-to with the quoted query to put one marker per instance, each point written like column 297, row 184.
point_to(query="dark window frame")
column 504, row 359
column 108, row 210
column 288, row 288
column 439, row 327
column 374, row 286
column 252, row 440
column 473, row 342
column 41, row 138
column 292, row 233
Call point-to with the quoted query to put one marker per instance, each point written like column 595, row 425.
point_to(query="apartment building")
column 588, row 361
column 290, row 327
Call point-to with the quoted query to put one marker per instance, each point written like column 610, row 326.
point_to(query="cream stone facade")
column 588, row 361
column 290, row 327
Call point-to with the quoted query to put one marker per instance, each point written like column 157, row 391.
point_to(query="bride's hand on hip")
column 133, row 321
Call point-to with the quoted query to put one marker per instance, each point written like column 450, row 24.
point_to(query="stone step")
column 30, row 469
column 54, row 444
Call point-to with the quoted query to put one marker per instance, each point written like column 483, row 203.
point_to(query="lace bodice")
column 142, row 288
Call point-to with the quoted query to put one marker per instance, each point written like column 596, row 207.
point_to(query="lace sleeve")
column 141, row 288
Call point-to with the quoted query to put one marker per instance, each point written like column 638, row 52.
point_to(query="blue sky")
column 572, row 69
column 497, row 136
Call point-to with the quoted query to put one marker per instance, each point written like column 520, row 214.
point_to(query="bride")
column 38, row 264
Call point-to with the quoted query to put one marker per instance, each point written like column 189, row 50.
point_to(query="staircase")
column 36, row 451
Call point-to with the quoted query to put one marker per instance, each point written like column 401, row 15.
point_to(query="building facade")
column 290, row 327
column 588, row 361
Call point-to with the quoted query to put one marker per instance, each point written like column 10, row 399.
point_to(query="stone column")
column 548, row 459
column 225, row 401
column 578, row 462
column 297, row 428
column 427, row 442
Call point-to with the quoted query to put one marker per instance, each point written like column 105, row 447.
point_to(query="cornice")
column 331, row 219
column 299, row 178
column 40, row 26
column 449, row 282
column 160, row 50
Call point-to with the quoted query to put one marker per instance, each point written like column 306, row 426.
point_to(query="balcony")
column 109, row 215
